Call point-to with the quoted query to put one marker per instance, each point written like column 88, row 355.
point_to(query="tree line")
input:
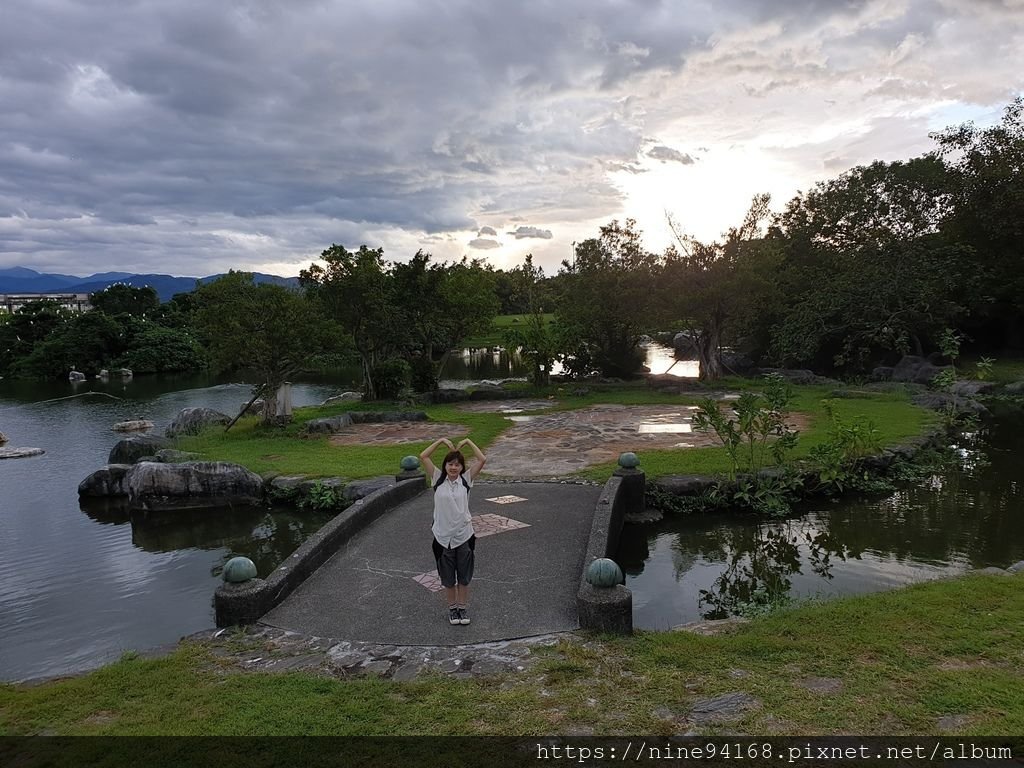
column 885, row 259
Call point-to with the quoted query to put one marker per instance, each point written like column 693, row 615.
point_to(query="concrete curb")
column 246, row 602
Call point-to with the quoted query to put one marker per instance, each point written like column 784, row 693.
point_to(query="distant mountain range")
column 22, row 280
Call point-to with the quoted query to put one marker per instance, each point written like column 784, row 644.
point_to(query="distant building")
column 12, row 302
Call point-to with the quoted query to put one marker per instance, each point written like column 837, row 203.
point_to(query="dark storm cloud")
column 667, row 154
column 162, row 134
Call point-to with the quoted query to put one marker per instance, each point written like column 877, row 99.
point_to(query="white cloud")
column 521, row 232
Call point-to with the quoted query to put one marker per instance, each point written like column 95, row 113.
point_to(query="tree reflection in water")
column 759, row 562
column 965, row 516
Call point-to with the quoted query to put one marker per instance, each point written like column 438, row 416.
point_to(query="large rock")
column 131, row 449
column 448, row 395
column 192, row 421
column 916, row 369
column 327, row 426
column 344, row 397
column 971, row 388
column 386, row 417
column 737, row 363
column 1015, row 388
column 107, row 481
column 136, row 425
column 192, row 485
column 684, row 346
column 940, row 401
column 797, row 376
column 20, row 453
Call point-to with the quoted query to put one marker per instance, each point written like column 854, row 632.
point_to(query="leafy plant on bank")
column 756, row 436
column 323, row 497
column 983, row 368
column 759, row 430
column 839, row 460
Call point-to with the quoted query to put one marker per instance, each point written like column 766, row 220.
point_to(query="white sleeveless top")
column 452, row 523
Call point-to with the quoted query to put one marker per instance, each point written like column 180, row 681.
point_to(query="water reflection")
column 706, row 567
column 265, row 536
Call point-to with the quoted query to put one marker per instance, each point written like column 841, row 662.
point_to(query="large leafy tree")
column 122, row 299
column 26, row 328
column 86, row 343
column 987, row 174
column 355, row 289
column 868, row 271
column 267, row 328
column 439, row 306
column 606, row 303
column 706, row 288
column 538, row 341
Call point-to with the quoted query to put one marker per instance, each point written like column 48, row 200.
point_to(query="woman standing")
column 454, row 538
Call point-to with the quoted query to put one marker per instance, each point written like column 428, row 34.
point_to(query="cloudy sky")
column 187, row 137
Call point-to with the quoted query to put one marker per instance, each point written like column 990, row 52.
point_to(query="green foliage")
column 85, row 342
column 29, row 326
column 983, row 368
column 949, row 344
column 944, row 379
column 121, row 299
column 324, row 498
column 391, row 377
column 839, row 458
column 756, row 436
column 609, row 279
column 758, row 431
column 267, row 328
column 539, row 343
column 413, row 310
column 715, row 290
column 156, row 349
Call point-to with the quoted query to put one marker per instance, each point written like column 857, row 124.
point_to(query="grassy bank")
column 285, row 451
column 937, row 658
column 499, row 327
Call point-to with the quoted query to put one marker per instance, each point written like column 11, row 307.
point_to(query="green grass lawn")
column 285, row 451
column 898, row 663
column 500, row 324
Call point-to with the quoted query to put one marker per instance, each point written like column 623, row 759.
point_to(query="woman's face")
column 453, row 468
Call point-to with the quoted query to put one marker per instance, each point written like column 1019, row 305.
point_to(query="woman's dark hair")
column 454, row 456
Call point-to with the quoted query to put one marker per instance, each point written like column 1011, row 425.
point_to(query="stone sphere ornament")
column 604, row 573
column 238, row 569
column 410, row 463
column 629, row 460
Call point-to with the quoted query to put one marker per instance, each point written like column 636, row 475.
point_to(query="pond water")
column 689, row 568
column 82, row 583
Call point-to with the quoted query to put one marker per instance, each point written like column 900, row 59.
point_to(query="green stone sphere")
column 604, row 573
column 239, row 569
column 629, row 460
column 410, row 463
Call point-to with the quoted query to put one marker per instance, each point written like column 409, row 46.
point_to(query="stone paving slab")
column 506, row 406
column 559, row 444
column 396, row 433
column 554, row 445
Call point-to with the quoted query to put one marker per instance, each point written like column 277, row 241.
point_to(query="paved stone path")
column 554, row 445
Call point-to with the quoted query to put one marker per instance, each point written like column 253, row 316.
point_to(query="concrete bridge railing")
column 610, row 609
column 246, row 602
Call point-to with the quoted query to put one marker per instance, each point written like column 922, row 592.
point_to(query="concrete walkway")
column 381, row 586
